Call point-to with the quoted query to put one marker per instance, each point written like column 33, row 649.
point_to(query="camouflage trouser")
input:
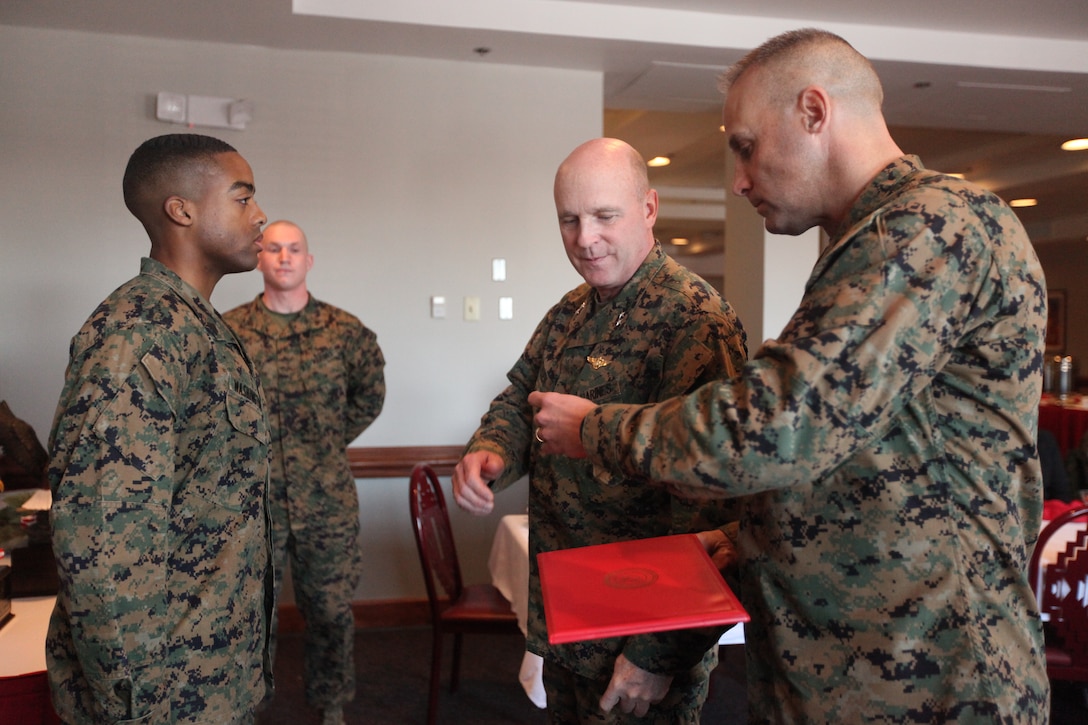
column 574, row 700
column 325, row 566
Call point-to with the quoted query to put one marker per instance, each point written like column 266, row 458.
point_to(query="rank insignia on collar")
column 596, row 362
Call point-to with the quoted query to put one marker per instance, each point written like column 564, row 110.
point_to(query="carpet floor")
column 393, row 666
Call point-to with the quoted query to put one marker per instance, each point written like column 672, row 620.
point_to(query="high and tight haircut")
column 164, row 156
column 842, row 64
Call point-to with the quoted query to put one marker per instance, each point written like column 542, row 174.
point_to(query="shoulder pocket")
column 244, row 411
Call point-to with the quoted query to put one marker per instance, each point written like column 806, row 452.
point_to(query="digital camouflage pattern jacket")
column 323, row 376
column 887, row 439
column 666, row 332
column 159, row 468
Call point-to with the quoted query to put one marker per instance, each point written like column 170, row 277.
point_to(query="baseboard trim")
column 368, row 615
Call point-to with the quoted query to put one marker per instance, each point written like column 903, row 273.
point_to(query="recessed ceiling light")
column 957, row 175
column 679, row 241
column 1023, row 202
column 659, row 161
column 1075, row 144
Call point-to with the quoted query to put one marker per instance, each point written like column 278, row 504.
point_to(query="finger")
column 491, row 468
column 464, row 500
column 641, row 708
column 471, row 499
column 481, row 503
column 609, row 699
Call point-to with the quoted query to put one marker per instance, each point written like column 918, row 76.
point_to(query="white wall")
column 787, row 265
column 408, row 175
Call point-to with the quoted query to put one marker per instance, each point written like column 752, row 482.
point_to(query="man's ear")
column 815, row 107
column 178, row 210
column 650, row 206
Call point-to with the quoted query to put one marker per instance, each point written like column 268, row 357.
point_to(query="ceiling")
column 988, row 88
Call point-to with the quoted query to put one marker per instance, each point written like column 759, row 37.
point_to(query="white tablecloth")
column 509, row 566
column 22, row 639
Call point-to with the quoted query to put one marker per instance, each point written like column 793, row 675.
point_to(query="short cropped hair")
column 798, row 57
column 162, row 160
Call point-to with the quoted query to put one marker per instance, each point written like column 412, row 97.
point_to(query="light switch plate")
column 472, row 309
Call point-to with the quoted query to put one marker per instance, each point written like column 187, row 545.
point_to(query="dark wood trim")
column 369, row 615
column 398, row 461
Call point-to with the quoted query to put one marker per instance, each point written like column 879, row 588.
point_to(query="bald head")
column 606, row 155
column 785, row 65
column 284, row 229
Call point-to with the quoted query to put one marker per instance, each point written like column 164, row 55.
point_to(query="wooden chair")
column 1062, row 593
column 472, row 609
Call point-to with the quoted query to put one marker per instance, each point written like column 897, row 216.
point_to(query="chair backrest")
column 1063, row 588
column 434, row 537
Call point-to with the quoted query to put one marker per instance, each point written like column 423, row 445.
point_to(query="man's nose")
column 261, row 218
column 741, row 183
column 587, row 235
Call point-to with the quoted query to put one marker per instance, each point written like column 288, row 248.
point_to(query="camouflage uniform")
column 888, row 439
column 159, row 473
column 322, row 373
column 665, row 333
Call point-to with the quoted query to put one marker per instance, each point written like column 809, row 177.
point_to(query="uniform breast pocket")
column 246, row 416
column 610, row 377
column 234, row 458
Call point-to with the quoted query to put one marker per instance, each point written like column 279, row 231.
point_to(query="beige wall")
column 408, row 175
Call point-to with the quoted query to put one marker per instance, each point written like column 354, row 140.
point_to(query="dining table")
column 1066, row 419
column 508, row 563
column 24, row 685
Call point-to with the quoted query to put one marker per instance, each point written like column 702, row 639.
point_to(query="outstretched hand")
column 470, row 479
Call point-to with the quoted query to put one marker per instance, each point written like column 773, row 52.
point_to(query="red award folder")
column 633, row 587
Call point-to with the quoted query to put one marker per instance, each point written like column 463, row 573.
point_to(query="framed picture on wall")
column 1055, row 320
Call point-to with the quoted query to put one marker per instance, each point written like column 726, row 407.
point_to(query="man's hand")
column 470, row 479
column 720, row 548
column 634, row 688
column 558, row 422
